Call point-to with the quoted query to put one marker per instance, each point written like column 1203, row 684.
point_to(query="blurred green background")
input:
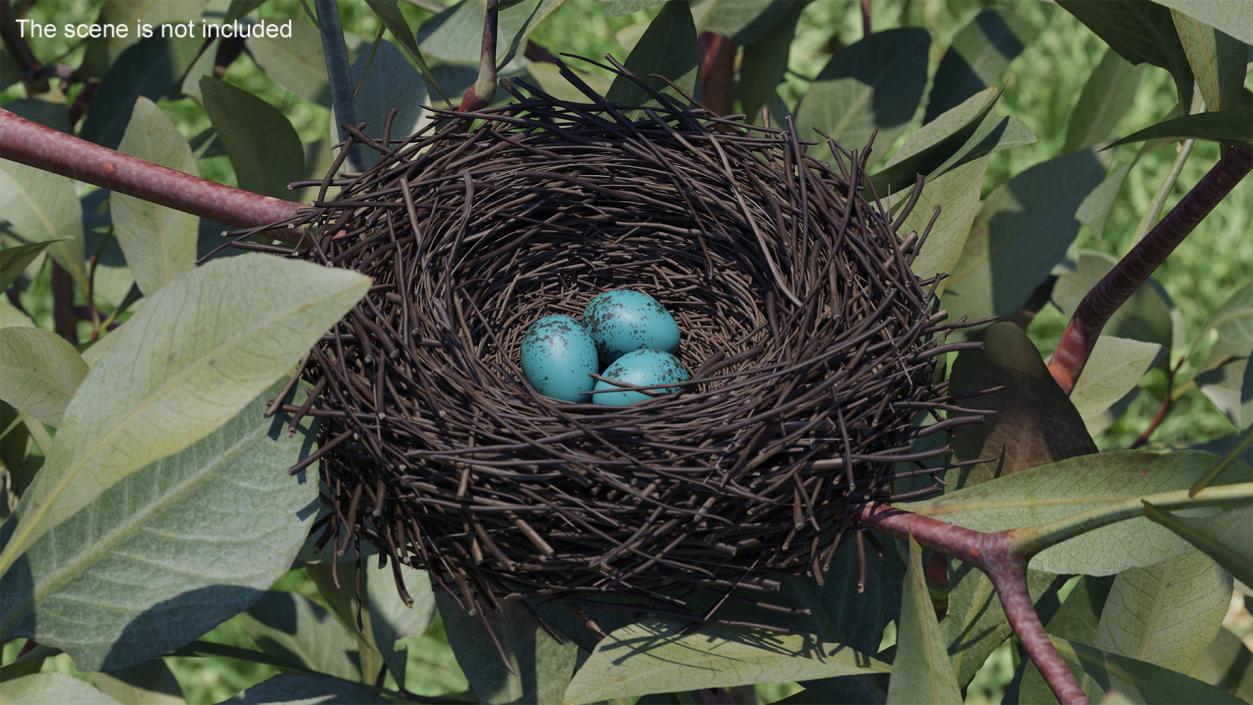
column 1041, row 87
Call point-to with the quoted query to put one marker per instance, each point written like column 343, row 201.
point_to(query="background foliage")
column 1004, row 104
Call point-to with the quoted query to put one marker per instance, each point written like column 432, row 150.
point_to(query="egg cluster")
column 626, row 335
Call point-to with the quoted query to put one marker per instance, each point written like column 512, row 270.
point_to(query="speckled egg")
column 624, row 320
column 641, row 368
column 559, row 357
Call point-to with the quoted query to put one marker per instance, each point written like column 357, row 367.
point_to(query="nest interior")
column 812, row 346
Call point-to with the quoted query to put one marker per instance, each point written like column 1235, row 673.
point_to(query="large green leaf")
column 1141, row 682
column 151, row 68
column 1141, row 32
column 1233, row 550
column 1106, row 97
column 153, row 12
column 295, row 63
column 978, row 56
column 454, row 36
column 385, row 80
column 1218, row 61
column 11, row 317
column 14, row 260
column 921, row 670
column 1226, row 664
column 1114, row 370
column 39, row 372
column 668, row 48
column 956, row 194
column 307, row 689
column 1225, row 126
column 657, row 656
column 1234, row 18
column 1166, row 614
column 932, row 144
column 1224, row 385
column 745, row 21
column 873, row 84
column 148, row 683
column 159, row 242
column 1034, row 422
column 1232, row 324
column 1020, row 234
column 765, row 60
column 389, row 14
column 167, row 553
column 538, row 667
column 264, row 148
column 1092, row 482
column 45, row 688
column 196, row 353
column 300, row 632
column 38, row 206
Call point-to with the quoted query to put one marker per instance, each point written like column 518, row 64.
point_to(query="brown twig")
column 717, row 71
column 1167, row 404
column 44, row 148
column 64, row 316
column 865, row 18
column 1133, row 269
column 480, row 94
column 994, row 554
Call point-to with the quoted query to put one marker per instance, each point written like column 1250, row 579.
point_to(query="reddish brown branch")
column 1163, row 410
column 64, row 314
column 993, row 554
column 480, row 94
column 44, row 148
column 1133, row 269
column 717, row 71
column 865, row 18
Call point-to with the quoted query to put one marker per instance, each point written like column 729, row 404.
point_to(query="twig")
column 64, row 317
column 1159, row 199
column 1135, row 267
column 44, row 148
column 865, row 18
column 717, row 70
column 337, row 70
column 1162, row 410
column 480, row 94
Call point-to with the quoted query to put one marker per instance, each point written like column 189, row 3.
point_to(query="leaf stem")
column 717, row 72
column 1134, row 268
column 32, row 144
column 336, row 53
column 480, row 94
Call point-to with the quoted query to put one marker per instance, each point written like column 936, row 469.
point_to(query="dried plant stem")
column 480, row 94
column 32, row 144
column 717, row 72
column 865, row 18
column 1133, row 269
column 336, row 53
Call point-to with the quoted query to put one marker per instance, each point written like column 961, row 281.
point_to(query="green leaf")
column 1114, row 370
column 874, row 83
column 238, row 9
column 388, row 82
column 1106, row 97
column 300, row 632
column 1064, row 489
column 196, row 353
column 307, row 689
column 39, row 372
column 159, row 242
column 1095, row 209
column 1141, row 32
column 1077, row 620
column 978, row 56
column 1225, row 664
column 974, row 624
column 956, row 194
column 1144, row 317
column 745, row 21
column 538, row 669
column 1034, row 422
column 1225, row 126
column 148, row 683
column 1020, row 234
column 1232, row 550
column 14, row 260
column 454, row 36
column 263, row 146
column 152, row 68
column 657, row 656
column 1218, row 61
column 617, row 8
column 921, row 670
column 1232, row 324
column 167, row 553
column 934, row 143
column 765, row 60
column 45, row 688
column 668, row 48
column 296, row 63
column 1166, row 614
column 1224, row 385
column 49, row 114
column 38, row 206
column 1234, row 18
column 10, row 317
column 1141, row 682
column 153, row 12
column 389, row 14
column 840, row 610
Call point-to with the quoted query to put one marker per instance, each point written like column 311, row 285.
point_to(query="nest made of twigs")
column 811, row 341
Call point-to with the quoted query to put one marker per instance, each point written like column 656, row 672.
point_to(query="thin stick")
column 480, row 94
column 717, row 72
column 337, row 70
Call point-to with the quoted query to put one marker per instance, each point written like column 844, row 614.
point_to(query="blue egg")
column 559, row 358
column 624, row 320
column 641, row 368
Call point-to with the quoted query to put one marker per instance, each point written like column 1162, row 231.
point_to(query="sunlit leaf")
column 296, row 63
column 153, row 12
column 1234, row 18
column 14, row 260
column 1225, row 126
column 1114, row 369
column 298, row 631
column 45, row 688
column 1232, row 550
column 978, row 56
column 39, row 372
column 1141, row 682
column 921, row 670
column 932, row 144
column 37, row 206
column 454, row 36
column 148, row 683
column 1218, row 61
column 1106, row 97
column 956, row 194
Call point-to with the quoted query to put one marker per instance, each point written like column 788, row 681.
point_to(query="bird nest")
column 811, row 342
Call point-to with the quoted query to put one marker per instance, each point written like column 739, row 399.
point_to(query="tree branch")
column 480, row 94
column 336, row 53
column 865, row 18
column 717, row 72
column 32, row 144
column 1133, row 269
